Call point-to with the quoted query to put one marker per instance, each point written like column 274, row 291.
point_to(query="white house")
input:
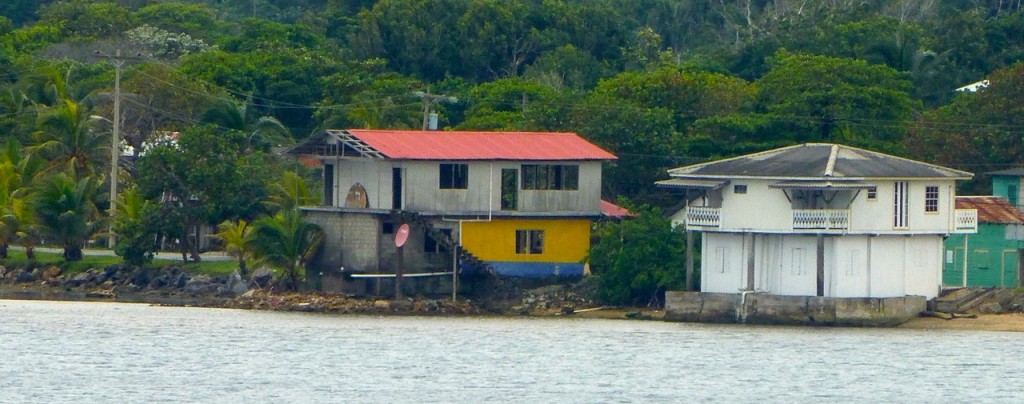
column 821, row 220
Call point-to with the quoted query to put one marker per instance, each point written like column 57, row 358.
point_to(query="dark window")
column 529, row 241
column 548, row 176
column 931, row 199
column 739, row 189
column 872, row 193
column 1011, row 194
column 454, row 176
column 388, row 228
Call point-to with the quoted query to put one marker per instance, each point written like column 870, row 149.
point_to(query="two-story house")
column 511, row 203
column 821, row 220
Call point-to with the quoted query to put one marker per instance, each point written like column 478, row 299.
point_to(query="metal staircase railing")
column 466, row 258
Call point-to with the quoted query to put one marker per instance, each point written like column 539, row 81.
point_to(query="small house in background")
column 516, row 204
column 817, row 228
column 990, row 258
column 1007, row 184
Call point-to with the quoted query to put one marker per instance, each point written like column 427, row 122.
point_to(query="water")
column 106, row 352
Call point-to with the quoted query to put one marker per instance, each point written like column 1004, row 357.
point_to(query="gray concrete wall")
column 790, row 310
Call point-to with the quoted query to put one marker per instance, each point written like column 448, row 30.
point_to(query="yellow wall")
column 565, row 240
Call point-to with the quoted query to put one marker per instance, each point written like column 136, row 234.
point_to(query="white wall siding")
column 723, row 263
column 923, row 266
column 849, row 273
column 796, row 271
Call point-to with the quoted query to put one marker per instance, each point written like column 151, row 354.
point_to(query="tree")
column 261, row 132
column 207, row 176
column 239, row 240
column 69, row 140
column 134, row 227
column 16, row 174
column 66, row 211
column 821, row 98
column 638, row 259
column 285, row 241
column 290, row 191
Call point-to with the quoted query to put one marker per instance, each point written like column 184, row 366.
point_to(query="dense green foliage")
column 660, row 83
column 638, row 259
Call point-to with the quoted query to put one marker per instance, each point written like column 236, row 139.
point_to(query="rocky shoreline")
column 172, row 286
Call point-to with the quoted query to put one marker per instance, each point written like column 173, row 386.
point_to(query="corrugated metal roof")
column 691, row 184
column 821, row 185
column 818, row 160
column 446, row 145
column 1014, row 172
column 612, row 210
column 991, row 209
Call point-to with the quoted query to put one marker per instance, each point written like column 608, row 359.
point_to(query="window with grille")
column 931, row 199
column 551, row 176
column 529, row 241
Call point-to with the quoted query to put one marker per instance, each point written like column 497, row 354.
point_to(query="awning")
column 820, row 185
column 691, row 183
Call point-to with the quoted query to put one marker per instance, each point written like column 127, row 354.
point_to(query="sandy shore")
column 985, row 322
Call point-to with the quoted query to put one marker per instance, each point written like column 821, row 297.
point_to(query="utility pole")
column 431, row 99
column 115, row 139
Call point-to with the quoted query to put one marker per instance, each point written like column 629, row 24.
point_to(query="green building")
column 994, row 253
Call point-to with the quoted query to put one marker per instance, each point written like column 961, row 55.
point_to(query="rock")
column 201, row 285
column 140, row 277
column 248, row 294
column 381, row 305
column 261, row 278
column 158, row 282
column 178, row 281
column 234, row 285
column 401, row 305
column 990, row 308
column 51, row 273
column 78, row 279
column 25, row 276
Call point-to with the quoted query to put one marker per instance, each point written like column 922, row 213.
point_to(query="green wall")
column 1004, row 186
column 992, row 260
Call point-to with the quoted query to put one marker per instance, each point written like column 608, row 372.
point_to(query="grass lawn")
column 17, row 258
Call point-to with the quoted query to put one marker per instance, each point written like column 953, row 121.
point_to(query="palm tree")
column 66, row 211
column 68, row 139
column 261, row 132
column 136, row 237
column 285, row 241
column 239, row 241
column 15, row 174
column 289, row 192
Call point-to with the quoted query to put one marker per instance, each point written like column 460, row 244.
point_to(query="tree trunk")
column 3, row 250
column 30, row 252
column 72, row 253
column 241, row 266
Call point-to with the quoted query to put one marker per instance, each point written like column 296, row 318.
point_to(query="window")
column 388, row 227
column 548, row 176
column 872, row 193
column 529, row 241
column 739, row 189
column 931, row 199
column 454, row 176
column 900, row 201
column 1011, row 194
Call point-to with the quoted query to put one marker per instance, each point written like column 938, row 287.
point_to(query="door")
column 509, row 189
column 396, row 188
column 328, row 184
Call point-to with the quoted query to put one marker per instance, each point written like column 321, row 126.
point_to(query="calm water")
column 124, row 353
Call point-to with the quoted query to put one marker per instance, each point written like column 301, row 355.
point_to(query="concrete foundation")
column 753, row 308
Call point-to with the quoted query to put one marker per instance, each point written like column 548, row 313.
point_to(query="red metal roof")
column 612, row 210
column 991, row 209
column 451, row 145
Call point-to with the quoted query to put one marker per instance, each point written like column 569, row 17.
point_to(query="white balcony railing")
column 825, row 219
column 699, row 216
column 965, row 220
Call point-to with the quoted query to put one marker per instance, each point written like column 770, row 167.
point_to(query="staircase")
column 466, row 258
column 962, row 300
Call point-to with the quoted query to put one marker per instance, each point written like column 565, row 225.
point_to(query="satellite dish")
column 402, row 235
